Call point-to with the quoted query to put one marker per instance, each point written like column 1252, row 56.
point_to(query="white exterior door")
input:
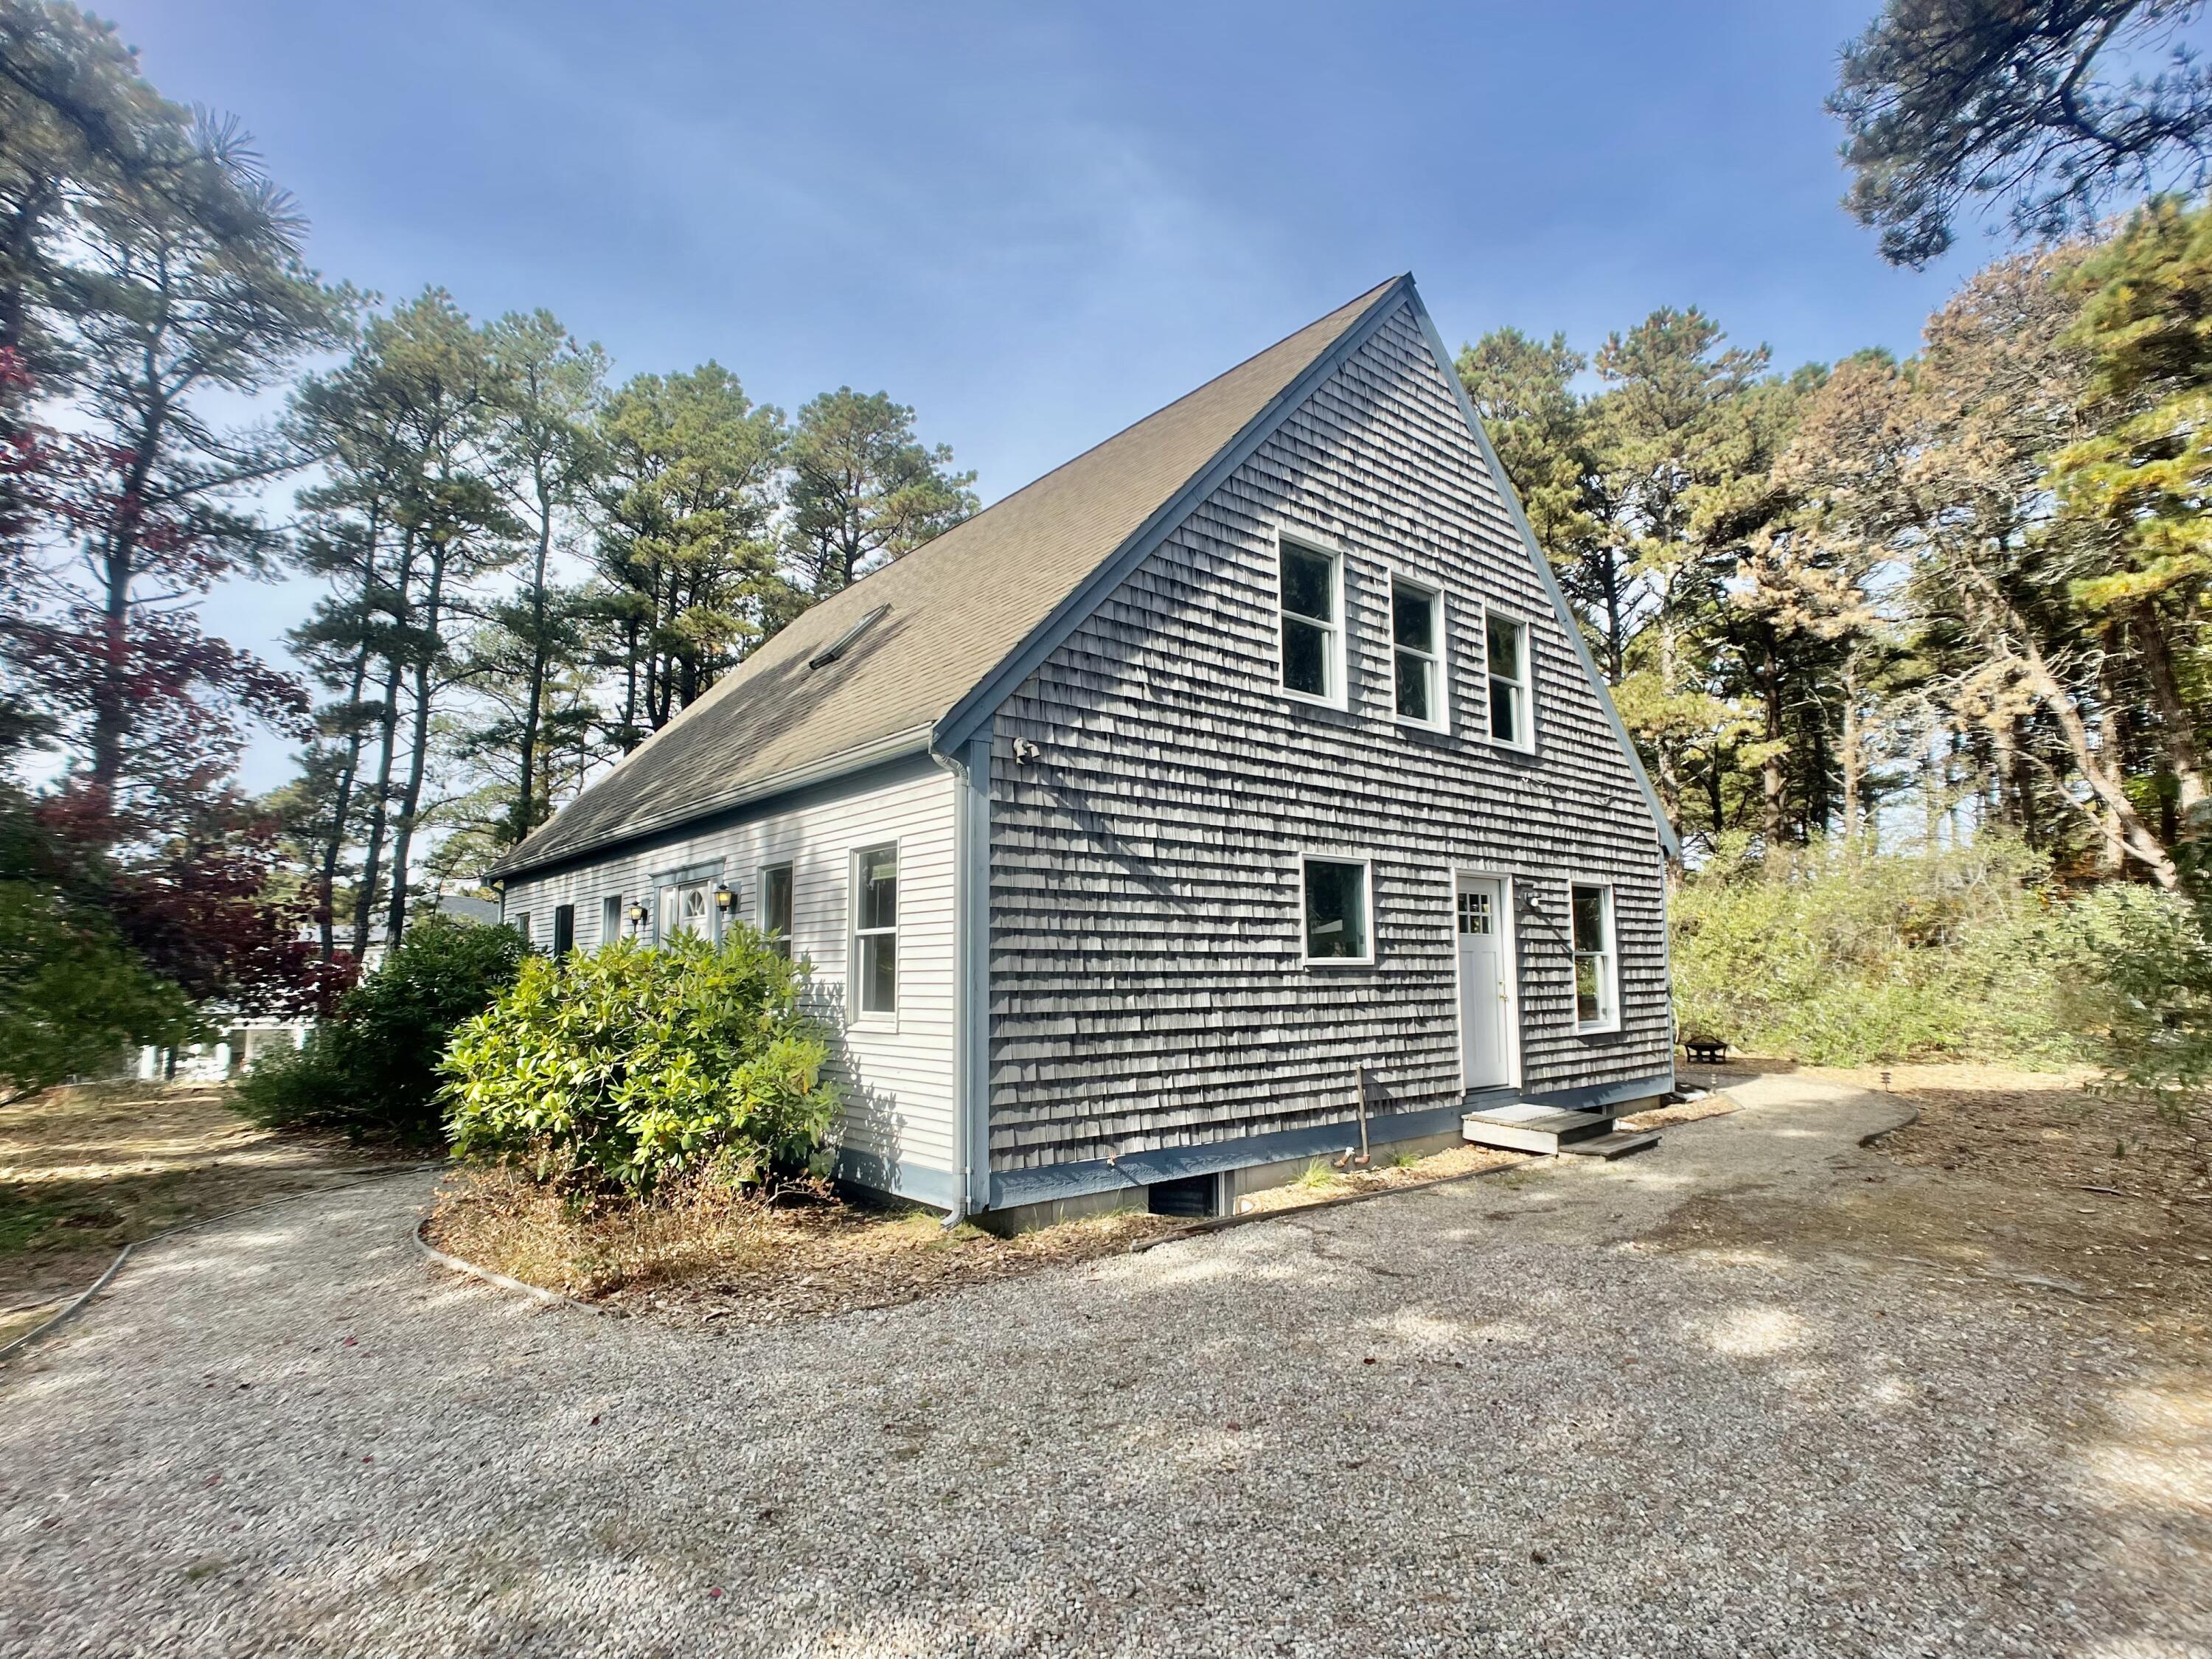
column 1485, row 1001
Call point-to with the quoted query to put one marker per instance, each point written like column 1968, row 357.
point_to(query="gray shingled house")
column 1243, row 777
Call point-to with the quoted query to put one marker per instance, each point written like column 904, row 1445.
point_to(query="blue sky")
column 1038, row 222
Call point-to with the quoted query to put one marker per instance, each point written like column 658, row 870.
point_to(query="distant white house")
column 244, row 1040
column 1240, row 783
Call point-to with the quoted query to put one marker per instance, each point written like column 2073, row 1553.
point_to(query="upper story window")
column 1596, row 993
column 1511, row 720
column 875, row 931
column 1337, row 911
column 1417, row 639
column 775, row 884
column 1312, row 600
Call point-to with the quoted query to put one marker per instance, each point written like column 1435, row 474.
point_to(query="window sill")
column 873, row 1024
column 1611, row 1028
column 1410, row 727
column 1308, row 700
column 1336, row 962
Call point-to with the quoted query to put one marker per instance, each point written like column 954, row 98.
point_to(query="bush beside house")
column 636, row 1064
column 373, row 1069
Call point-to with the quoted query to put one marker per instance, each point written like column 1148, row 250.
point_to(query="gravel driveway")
column 1501, row 1417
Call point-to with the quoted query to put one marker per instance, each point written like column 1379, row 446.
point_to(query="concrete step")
column 1522, row 1127
column 1619, row 1144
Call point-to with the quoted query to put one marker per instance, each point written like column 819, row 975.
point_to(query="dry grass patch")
column 88, row 1169
column 699, row 1254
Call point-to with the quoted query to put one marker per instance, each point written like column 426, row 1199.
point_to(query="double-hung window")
column 775, row 884
column 875, row 931
column 610, row 918
column 1596, row 990
column 1506, row 644
column 1338, row 928
column 1312, row 603
column 521, row 925
column 1417, row 643
column 564, row 929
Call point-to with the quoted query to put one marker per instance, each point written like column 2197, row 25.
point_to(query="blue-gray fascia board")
column 1018, row 1187
column 982, row 701
column 1667, row 841
column 860, row 1168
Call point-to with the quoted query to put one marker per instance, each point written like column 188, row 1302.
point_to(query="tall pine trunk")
column 403, row 840
column 364, row 903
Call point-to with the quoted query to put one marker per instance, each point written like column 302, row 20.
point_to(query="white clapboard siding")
column 899, row 1074
column 1146, row 986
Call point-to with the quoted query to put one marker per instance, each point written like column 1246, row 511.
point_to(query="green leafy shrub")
column 1837, row 955
column 635, row 1063
column 372, row 1070
column 74, row 1000
column 2145, row 1006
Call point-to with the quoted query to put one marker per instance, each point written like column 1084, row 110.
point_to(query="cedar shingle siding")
column 1147, row 989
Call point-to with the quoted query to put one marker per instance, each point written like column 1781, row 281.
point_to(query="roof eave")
column 896, row 745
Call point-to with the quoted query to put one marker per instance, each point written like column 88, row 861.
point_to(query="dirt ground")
column 2019, row 1175
column 696, row 1260
column 86, row 1170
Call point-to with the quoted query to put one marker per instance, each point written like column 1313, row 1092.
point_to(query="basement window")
column 1337, row 932
column 1596, row 969
column 1311, row 596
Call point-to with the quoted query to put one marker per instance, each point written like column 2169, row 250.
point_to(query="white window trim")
column 1610, row 983
column 1339, row 633
column 1528, row 681
column 609, row 935
column 776, row 861
column 1440, row 660
column 1366, row 863
column 878, row 1019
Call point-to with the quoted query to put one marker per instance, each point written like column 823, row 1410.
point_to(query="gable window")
column 1312, row 597
column 875, row 931
column 1506, row 643
column 610, row 918
column 775, row 884
column 1416, row 637
column 564, row 929
column 1336, row 911
column 1596, row 996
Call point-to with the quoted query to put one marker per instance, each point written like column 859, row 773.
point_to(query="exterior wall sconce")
column 637, row 915
column 726, row 897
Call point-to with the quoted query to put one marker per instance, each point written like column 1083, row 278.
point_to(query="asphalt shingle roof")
column 957, row 609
